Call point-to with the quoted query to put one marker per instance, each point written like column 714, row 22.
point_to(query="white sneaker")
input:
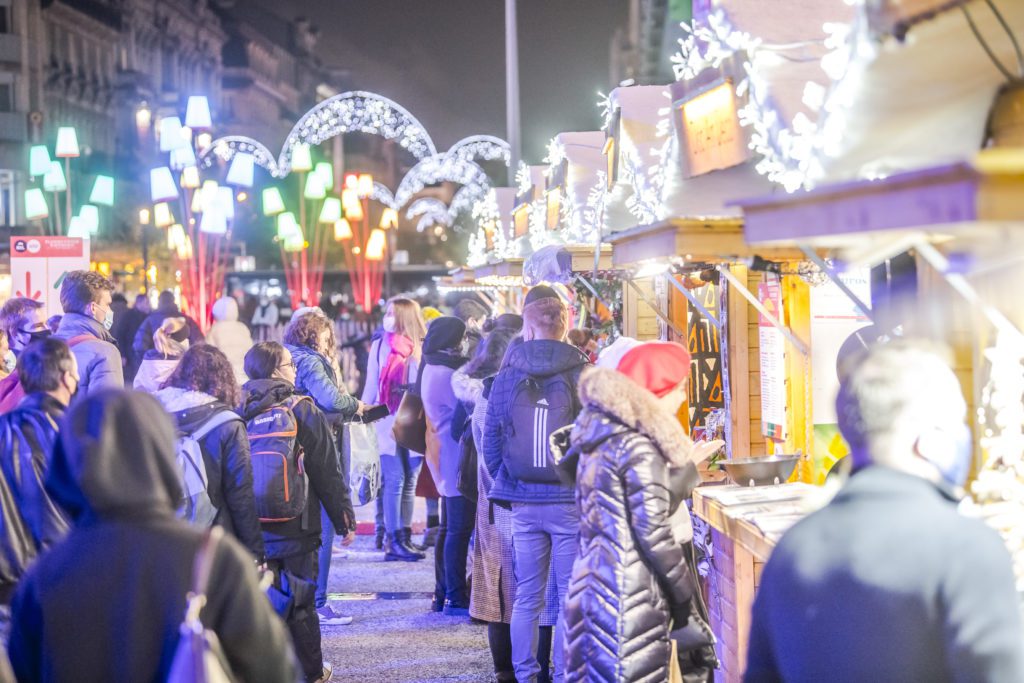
column 328, row 617
column 327, row 673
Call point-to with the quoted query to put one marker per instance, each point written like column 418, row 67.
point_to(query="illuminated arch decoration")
column 358, row 112
column 440, row 168
column 382, row 194
column 482, row 147
column 431, row 211
column 227, row 147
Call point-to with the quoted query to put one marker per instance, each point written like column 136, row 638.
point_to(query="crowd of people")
column 556, row 492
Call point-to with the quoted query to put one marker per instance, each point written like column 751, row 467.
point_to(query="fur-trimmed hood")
column 466, row 388
column 613, row 394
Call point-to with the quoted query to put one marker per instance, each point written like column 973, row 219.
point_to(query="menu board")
column 773, row 361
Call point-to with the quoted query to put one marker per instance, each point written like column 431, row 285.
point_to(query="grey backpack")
column 195, row 505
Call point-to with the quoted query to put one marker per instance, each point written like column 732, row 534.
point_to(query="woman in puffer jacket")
column 230, row 335
column 170, row 342
column 633, row 464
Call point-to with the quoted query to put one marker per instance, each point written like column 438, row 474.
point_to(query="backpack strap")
column 76, row 340
column 216, row 420
column 201, row 568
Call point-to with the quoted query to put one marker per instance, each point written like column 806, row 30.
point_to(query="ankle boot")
column 407, row 531
column 394, row 551
column 378, row 542
column 430, row 536
column 405, row 538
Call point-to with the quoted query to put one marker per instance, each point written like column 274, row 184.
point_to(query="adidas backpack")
column 278, row 475
column 195, row 505
column 539, row 406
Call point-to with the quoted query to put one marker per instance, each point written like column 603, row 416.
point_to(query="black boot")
column 430, row 536
column 405, row 538
column 378, row 542
column 394, row 551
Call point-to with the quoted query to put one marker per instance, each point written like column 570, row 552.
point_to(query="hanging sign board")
column 39, row 263
column 773, row 362
column 710, row 132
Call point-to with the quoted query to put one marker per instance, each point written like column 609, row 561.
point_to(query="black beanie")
column 539, row 292
column 444, row 334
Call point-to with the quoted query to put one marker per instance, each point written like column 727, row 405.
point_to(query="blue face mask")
column 955, row 472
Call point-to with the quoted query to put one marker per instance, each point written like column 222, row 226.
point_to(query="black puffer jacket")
column 629, row 578
column 228, row 466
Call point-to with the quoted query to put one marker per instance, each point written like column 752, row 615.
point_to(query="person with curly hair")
column 201, row 394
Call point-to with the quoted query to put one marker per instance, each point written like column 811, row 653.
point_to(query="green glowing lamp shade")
column 35, row 204
column 314, row 187
column 273, row 204
column 302, row 160
column 294, row 243
column 53, row 179
column 103, row 191
column 38, row 160
column 326, row 172
column 287, row 226
column 331, row 211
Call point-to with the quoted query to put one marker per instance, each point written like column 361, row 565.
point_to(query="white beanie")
column 614, row 352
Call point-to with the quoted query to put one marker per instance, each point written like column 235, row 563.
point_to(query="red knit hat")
column 658, row 367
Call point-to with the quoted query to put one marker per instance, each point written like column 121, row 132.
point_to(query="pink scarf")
column 393, row 371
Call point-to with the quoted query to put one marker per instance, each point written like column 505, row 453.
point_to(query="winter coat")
column 266, row 315
column 538, row 358
column 225, row 451
column 154, row 371
column 630, row 579
column 888, row 582
column 31, row 520
column 379, row 351
column 230, row 336
column 494, row 579
column 322, row 466
column 144, row 335
column 443, row 451
column 314, row 376
column 105, row 603
column 99, row 361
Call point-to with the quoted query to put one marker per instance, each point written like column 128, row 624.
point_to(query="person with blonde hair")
column 170, row 342
column 394, row 363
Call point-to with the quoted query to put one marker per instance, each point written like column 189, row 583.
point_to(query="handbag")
column 363, row 458
column 198, row 656
column 410, row 426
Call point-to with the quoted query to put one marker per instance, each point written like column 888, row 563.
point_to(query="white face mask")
column 108, row 319
column 389, row 323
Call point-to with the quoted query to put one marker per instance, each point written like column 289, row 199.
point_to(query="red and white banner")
column 39, row 263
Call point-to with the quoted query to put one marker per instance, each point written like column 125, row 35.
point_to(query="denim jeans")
column 324, row 557
column 543, row 535
column 458, row 514
column 432, row 509
column 400, row 473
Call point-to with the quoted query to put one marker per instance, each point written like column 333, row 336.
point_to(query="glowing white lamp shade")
column 226, row 202
column 53, row 179
column 175, row 236
column 352, row 204
column 326, row 172
column 314, row 187
column 389, row 219
column 35, row 204
column 365, row 185
column 351, row 181
column 376, row 245
column 214, row 221
column 170, row 133
column 162, row 216
column 197, row 113
column 76, row 229
column 67, row 142
column 331, row 210
column 161, row 185
column 38, row 160
column 301, row 158
column 182, row 157
column 342, row 230
column 90, row 216
column 190, row 177
column 240, row 172
column 294, row 243
column 287, row 225
column 273, row 204
column 184, row 250
column 102, row 191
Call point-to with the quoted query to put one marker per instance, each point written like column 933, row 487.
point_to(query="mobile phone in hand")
column 374, row 413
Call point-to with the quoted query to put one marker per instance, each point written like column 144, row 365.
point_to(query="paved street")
column 395, row 640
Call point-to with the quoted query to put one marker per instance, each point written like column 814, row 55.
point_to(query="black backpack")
column 538, row 407
column 278, row 472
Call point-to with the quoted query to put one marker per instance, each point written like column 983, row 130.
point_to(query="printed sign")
column 39, row 263
column 773, row 362
column 711, row 130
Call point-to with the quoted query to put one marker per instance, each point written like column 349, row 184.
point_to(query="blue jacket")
column 538, row 358
column 99, row 362
column 315, row 377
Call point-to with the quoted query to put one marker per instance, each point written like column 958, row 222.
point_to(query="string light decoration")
column 382, row 194
column 440, row 168
column 481, row 147
column 225, row 148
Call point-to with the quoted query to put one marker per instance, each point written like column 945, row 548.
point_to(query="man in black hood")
column 166, row 308
column 105, row 604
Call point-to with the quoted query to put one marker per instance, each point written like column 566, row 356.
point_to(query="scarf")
column 447, row 358
column 393, row 371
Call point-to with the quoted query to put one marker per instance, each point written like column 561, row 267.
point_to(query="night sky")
column 444, row 60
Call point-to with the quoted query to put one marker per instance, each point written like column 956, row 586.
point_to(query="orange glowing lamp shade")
column 388, row 219
column 190, row 177
column 342, row 230
column 365, row 187
column 162, row 216
column 376, row 245
column 175, row 236
column 353, row 206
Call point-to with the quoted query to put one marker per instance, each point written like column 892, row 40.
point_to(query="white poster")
column 39, row 263
column 773, row 362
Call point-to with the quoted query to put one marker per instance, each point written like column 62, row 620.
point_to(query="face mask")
column 36, row 335
column 10, row 361
column 955, row 471
column 389, row 323
column 108, row 320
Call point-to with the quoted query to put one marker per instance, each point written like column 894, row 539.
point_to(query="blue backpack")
column 539, row 406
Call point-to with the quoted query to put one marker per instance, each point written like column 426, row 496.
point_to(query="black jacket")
column 31, row 520
column 323, row 468
column 631, row 459
column 228, row 467
column 144, row 335
column 888, row 582
column 104, row 604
